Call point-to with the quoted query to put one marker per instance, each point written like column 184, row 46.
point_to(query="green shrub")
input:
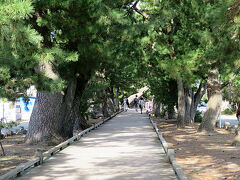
column 198, row 117
column 8, row 125
column 11, row 124
column 234, row 109
column 226, row 111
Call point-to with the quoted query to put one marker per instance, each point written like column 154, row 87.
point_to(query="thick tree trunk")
column 44, row 122
column 53, row 116
column 181, row 104
column 66, row 123
column 214, row 103
column 47, row 123
column 76, row 114
column 188, row 105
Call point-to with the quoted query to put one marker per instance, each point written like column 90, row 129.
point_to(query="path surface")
column 125, row 148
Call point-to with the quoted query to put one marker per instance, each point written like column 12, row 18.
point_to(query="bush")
column 198, row 117
column 11, row 124
column 226, row 111
column 8, row 125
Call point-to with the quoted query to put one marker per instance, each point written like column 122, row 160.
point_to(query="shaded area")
column 200, row 155
column 17, row 152
column 124, row 148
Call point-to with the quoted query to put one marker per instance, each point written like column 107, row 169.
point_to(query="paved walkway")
column 125, row 148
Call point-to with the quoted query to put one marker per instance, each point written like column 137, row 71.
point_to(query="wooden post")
column 39, row 155
column 2, row 149
column 170, row 152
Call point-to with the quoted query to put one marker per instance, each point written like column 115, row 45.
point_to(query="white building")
column 20, row 109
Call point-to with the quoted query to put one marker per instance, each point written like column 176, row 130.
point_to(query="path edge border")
column 169, row 152
column 16, row 172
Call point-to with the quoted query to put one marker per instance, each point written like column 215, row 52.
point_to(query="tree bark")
column 54, row 114
column 230, row 98
column 192, row 101
column 76, row 114
column 66, row 123
column 181, row 104
column 197, row 98
column 188, row 105
column 108, row 104
column 214, row 103
column 116, row 100
column 44, row 122
column 156, row 108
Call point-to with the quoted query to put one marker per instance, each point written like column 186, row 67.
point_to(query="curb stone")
column 169, row 152
column 16, row 172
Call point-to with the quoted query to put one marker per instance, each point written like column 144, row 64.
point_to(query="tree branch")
column 231, row 79
column 134, row 7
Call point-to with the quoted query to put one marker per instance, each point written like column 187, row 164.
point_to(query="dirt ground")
column 17, row 152
column 200, row 155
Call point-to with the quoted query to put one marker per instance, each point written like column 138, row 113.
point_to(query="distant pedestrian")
column 135, row 101
column 238, row 113
column 125, row 103
column 150, row 107
column 141, row 104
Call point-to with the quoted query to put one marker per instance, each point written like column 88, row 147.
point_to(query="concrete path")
column 125, row 148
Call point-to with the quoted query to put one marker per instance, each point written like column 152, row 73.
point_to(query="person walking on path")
column 238, row 113
column 125, row 103
column 141, row 104
column 136, row 103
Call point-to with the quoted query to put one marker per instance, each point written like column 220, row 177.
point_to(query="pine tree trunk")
column 76, row 114
column 48, row 123
column 192, row 102
column 44, row 122
column 181, row 104
column 53, row 116
column 197, row 98
column 156, row 108
column 188, row 105
column 214, row 103
column 116, row 100
column 66, row 119
column 108, row 106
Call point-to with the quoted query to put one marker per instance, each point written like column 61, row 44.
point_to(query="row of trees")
column 68, row 48
column 188, row 45
column 60, row 46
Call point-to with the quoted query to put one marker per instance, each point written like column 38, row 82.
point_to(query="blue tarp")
column 27, row 103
